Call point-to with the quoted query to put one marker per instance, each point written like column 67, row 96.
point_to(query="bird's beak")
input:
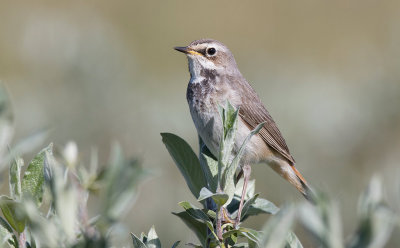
column 187, row 50
column 181, row 49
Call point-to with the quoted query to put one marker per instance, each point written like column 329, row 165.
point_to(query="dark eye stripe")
column 202, row 51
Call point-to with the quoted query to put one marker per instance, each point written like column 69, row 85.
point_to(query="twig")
column 22, row 240
column 219, row 223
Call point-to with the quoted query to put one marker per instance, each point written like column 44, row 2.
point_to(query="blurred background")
column 102, row 71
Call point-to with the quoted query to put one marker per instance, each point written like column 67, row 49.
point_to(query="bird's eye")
column 211, row 51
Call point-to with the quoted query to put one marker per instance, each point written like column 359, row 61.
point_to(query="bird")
column 215, row 79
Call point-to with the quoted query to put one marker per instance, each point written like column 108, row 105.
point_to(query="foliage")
column 47, row 204
column 150, row 240
column 219, row 192
column 63, row 190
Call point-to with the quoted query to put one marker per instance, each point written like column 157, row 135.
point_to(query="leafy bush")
column 214, row 183
column 47, row 204
column 47, row 207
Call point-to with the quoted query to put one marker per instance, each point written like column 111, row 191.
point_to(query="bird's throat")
column 201, row 69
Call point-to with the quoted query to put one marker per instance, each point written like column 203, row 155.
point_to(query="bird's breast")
column 203, row 99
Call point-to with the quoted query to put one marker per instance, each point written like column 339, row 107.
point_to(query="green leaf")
column 230, row 116
column 241, row 245
column 229, row 120
column 6, row 234
column 228, row 178
column 251, row 235
column 66, row 199
column 30, row 240
column 262, row 206
column 276, row 229
column 209, row 165
column 186, row 161
column 121, row 178
column 251, row 185
column 211, row 170
column 10, row 209
column 194, row 212
column 28, row 144
column 32, row 182
column 198, row 215
column 15, row 178
column 371, row 197
column 143, row 237
column 227, row 141
column 194, row 245
column 376, row 220
column 252, row 238
column 231, row 240
column 152, row 239
column 176, row 244
column 6, row 121
column 219, row 198
column 322, row 220
column 211, row 214
column 227, row 234
column 42, row 228
column 247, row 205
column 292, row 241
column 137, row 243
column 197, row 226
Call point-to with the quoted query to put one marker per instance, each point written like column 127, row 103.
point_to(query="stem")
column 22, row 240
column 219, row 223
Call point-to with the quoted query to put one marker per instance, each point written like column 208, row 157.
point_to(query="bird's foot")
column 237, row 223
column 226, row 218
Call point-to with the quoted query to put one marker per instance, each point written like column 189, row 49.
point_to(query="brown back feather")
column 253, row 112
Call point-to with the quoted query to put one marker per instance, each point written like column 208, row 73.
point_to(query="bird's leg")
column 246, row 175
column 240, row 174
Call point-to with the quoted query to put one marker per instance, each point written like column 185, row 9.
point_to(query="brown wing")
column 253, row 112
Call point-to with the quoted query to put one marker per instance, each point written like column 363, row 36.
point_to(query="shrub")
column 213, row 182
column 47, row 204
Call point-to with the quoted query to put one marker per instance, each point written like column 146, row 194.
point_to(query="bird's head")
column 210, row 55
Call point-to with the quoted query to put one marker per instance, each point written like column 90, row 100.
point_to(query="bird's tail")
column 292, row 175
column 305, row 189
